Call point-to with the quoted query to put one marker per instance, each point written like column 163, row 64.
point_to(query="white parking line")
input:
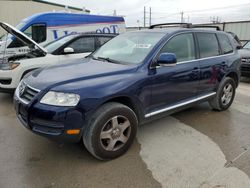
column 181, row 157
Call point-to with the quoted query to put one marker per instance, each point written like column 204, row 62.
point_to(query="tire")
column 223, row 100
column 110, row 131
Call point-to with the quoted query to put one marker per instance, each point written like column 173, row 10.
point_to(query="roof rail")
column 207, row 26
column 185, row 25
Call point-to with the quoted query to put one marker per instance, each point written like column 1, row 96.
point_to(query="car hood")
column 21, row 36
column 244, row 53
column 50, row 77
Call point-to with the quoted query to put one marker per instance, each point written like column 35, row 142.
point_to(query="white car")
column 64, row 50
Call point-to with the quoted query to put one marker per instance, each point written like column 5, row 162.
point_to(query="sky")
column 194, row 11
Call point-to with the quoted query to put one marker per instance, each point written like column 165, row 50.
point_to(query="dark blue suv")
column 132, row 79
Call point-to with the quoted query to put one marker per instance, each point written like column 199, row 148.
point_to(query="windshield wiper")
column 107, row 59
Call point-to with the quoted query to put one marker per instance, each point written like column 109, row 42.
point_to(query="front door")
column 176, row 84
column 82, row 47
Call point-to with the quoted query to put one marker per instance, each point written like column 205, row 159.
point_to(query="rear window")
column 208, row 45
column 225, row 44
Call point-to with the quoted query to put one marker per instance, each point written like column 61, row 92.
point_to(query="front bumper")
column 9, row 80
column 50, row 121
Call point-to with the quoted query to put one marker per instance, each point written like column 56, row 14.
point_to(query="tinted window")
column 182, row 46
column 37, row 32
column 208, row 45
column 226, row 46
column 83, row 45
column 101, row 40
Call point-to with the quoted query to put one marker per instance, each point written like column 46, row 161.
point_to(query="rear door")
column 213, row 60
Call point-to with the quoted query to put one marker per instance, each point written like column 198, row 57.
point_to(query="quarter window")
column 83, row 45
column 208, row 45
column 226, row 46
column 182, row 46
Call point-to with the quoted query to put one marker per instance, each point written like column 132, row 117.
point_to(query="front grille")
column 245, row 68
column 244, row 60
column 5, row 81
column 27, row 93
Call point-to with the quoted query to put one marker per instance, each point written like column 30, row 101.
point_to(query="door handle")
column 196, row 69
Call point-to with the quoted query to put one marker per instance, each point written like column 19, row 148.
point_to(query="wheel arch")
column 234, row 76
column 27, row 71
column 128, row 101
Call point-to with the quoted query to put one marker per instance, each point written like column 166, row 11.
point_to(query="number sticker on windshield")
column 142, row 45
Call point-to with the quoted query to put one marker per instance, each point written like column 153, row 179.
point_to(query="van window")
column 225, row 44
column 83, row 45
column 182, row 46
column 37, row 32
column 208, row 45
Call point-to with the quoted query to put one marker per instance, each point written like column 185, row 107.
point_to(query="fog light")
column 73, row 131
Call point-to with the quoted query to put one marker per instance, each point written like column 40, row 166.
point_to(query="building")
column 14, row 11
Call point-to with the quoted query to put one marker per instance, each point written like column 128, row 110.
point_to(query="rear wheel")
column 224, row 96
column 111, row 131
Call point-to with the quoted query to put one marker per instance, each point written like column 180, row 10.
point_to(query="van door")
column 179, row 83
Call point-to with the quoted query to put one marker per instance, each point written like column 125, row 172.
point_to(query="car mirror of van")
column 68, row 50
column 167, row 60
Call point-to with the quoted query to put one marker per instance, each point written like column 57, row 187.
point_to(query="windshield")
column 247, row 45
column 128, row 48
column 54, row 45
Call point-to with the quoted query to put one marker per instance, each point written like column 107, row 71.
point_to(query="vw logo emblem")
column 22, row 89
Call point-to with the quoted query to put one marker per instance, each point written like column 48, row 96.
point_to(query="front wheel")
column 224, row 96
column 111, row 131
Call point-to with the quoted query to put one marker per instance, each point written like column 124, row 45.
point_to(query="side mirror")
column 238, row 47
column 68, row 50
column 167, row 59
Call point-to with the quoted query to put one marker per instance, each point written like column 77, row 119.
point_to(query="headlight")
column 9, row 65
column 60, row 99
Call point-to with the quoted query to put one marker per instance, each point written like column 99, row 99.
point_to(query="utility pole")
column 182, row 17
column 150, row 16
column 144, row 17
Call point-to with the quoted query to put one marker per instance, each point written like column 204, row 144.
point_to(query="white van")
column 67, row 49
column 46, row 27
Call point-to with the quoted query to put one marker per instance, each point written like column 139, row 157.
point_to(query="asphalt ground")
column 193, row 148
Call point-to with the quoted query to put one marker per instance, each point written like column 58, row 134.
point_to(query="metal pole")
column 144, row 17
column 182, row 19
column 150, row 16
